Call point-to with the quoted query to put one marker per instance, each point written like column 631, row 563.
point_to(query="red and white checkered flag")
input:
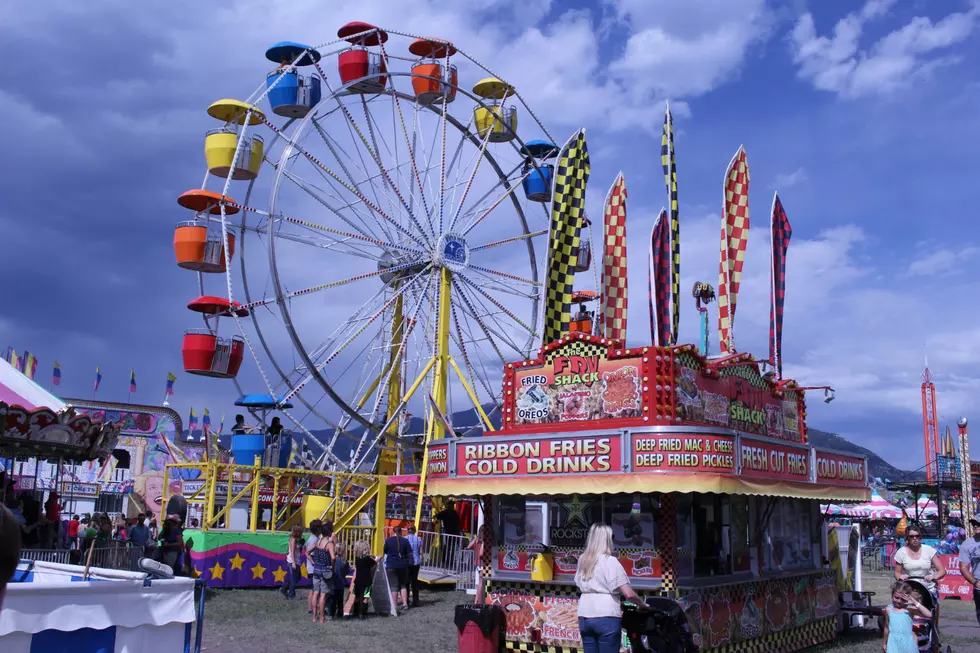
column 734, row 238
column 614, row 289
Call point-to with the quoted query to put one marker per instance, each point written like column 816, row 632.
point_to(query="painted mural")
column 151, row 435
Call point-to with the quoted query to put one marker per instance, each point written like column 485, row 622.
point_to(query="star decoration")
column 303, row 572
column 237, row 562
column 575, row 510
column 279, row 574
column 216, row 571
column 258, row 571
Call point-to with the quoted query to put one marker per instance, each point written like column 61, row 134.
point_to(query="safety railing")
column 444, row 555
column 124, row 558
column 878, row 558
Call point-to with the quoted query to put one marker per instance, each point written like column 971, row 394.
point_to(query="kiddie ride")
column 389, row 258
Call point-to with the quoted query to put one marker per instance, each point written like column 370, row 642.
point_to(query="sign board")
column 579, row 381
column 840, row 469
column 523, row 457
column 221, row 492
column 953, row 584
column 438, row 461
column 761, row 459
column 683, row 453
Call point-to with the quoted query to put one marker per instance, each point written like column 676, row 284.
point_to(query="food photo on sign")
column 632, row 531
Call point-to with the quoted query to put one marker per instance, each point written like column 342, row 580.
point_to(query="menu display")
column 691, row 453
column 768, row 460
column 840, row 469
column 576, row 454
column 438, row 460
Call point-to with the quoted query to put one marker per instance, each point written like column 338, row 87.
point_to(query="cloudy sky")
column 865, row 122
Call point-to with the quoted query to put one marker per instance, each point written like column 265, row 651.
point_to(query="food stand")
column 700, row 465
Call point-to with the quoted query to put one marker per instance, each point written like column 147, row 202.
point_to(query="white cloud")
column 679, row 50
column 838, row 64
column 942, row 261
column 789, row 179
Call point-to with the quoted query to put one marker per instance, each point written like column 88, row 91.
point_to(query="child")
column 899, row 637
column 364, row 564
column 335, row 602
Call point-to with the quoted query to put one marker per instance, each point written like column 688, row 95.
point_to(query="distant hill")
column 877, row 466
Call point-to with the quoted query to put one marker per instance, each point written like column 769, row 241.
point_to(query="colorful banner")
column 238, row 559
column 739, row 400
column 614, row 276
column 438, row 461
column 563, row 455
column 684, row 453
column 669, row 164
column 578, row 382
column 780, row 234
column 840, row 469
column 567, row 217
column 953, row 584
column 734, row 237
column 189, row 488
column 659, row 282
column 768, row 460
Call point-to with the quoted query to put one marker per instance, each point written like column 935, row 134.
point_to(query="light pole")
column 966, row 480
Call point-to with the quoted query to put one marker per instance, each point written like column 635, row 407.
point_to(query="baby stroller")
column 664, row 629
column 925, row 630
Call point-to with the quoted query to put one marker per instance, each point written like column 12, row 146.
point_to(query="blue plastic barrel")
column 245, row 448
column 537, row 185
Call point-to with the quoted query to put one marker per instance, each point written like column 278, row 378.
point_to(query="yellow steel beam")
column 245, row 490
column 357, row 505
column 473, row 397
column 275, row 502
column 440, row 382
column 253, row 518
column 378, row 543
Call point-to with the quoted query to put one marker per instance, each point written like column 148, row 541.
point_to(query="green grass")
column 240, row 621
column 245, row 621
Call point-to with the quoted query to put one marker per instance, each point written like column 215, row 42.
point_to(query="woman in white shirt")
column 602, row 581
column 918, row 561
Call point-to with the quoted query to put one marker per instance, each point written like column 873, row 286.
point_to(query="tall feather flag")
column 191, row 425
column 132, row 381
column 169, row 392
column 734, row 237
column 206, row 421
column 614, row 285
column 572, row 171
column 30, row 365
column 669, row 163
column 780, row 234
column 659, row 261
column 98, row 379
column 10, row 356
column 22, row 363
column 56, row 374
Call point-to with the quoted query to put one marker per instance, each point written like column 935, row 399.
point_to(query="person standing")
column 139, row 533
column 73, row 524
column 315, row 530
column 52, row 513
column 398, row 558
column 364, row 564
column 899, row 637
column 920, row 562
column 970, row 562
column 335, row 602
column 294, row 555
column 171, row 542
column 602, row 580
column 415, row 542
column 449, row 519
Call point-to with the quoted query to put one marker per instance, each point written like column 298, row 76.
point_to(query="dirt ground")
column 249, row 621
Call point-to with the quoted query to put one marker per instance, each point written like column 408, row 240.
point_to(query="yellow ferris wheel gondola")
column 496, row 118
column 220, row 144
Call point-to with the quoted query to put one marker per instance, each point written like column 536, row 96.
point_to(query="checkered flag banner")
column 614, row 290
column 669, row 163
column 734, row 237
column 572, row 171
column 660, row 333
column 780, row 235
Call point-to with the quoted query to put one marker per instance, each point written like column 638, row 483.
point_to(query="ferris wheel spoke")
column 514, row 239
column 469, row 184
column 356, row 192
column 509, row 192
column 411, row 155
column 461, row 343
column 505, row 275
column 489, row 332
column 332, row 245
column 493, row 301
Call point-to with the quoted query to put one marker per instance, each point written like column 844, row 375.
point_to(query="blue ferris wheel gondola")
column 263, row 402
column 293, row 95
column 537, row 183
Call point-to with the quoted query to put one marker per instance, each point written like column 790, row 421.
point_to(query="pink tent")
column 924, row 507
column 878, row 508
column 18, row 390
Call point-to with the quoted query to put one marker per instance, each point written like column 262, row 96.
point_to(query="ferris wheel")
column 390, row 225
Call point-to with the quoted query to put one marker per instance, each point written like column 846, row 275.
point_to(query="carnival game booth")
column 703, row 470
column 51, row 607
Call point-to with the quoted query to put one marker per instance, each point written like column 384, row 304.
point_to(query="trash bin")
column 479, row 628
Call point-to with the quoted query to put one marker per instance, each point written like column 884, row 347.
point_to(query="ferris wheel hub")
column 451, row 252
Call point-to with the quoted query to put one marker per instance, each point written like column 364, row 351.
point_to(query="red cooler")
column 479, row 628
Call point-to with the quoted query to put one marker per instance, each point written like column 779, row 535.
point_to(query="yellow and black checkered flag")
column 567, row 216
column 670, row 179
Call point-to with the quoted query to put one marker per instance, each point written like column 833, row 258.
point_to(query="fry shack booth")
column 702, row 468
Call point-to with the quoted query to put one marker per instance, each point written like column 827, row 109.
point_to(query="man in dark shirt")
column 398, row 559
column 139, row 533
column 450, row 526
column 239, row 427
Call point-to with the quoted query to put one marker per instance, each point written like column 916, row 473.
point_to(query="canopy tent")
column 34, row 422
column 840, row 510
column 878, row 508
column 925, row 507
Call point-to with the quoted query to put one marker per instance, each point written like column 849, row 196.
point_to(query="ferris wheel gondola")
column 388, row 237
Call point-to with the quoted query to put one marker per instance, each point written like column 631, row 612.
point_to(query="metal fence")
column 878, row 558
column 112, row 557
column 446, row 556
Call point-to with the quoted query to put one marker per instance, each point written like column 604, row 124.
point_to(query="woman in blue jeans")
column 602, row 581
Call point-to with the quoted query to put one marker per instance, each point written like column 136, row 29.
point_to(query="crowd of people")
column 342, row 580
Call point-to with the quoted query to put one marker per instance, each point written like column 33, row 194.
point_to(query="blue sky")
column 863, row 116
